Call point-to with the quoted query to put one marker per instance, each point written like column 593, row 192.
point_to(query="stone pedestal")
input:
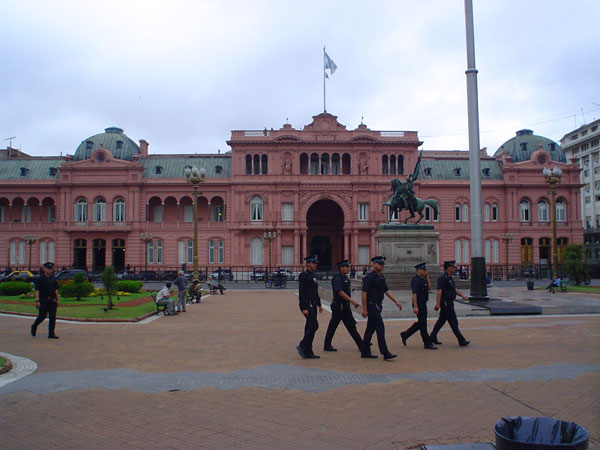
column 404, row 246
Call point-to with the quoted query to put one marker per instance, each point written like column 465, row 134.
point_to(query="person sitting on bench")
column 214, row 285
column 194, row 291
column 555, row 283
column 163, row 298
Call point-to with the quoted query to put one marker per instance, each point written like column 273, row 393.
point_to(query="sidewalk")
column 225, row 374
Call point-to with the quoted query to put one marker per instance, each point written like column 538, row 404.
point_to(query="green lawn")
column 73, row 300
column 584, row 289
column 2, row 361
column 88, row 312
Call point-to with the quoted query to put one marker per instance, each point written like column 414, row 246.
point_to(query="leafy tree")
column 109, row 280
column 81, row 287
column 574, row 262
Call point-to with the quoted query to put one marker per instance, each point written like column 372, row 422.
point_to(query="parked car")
column 286, row 273
column 169, row 275
column 19, row 275
column 70, row 273
column 147, row 275
column 222, row 274
column 258, row 275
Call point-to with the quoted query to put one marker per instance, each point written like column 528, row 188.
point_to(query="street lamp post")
column 195, row 176
column 30, row 239
column 145, row 238
column 507, row 239
column 269, row 237
column 552, row 177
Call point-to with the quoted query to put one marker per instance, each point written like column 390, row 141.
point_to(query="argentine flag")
column 329, row 64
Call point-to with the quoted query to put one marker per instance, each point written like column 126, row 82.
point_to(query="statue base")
column 405, row 246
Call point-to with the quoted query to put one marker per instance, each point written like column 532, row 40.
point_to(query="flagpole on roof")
column 324, row 76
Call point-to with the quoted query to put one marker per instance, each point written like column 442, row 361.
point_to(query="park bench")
column 563, row 285
column 159, row 308
column 211, row 290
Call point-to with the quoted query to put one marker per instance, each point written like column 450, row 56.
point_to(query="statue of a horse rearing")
column 397, row 204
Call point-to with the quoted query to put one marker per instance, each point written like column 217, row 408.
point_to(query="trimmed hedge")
column 72, row 289
column 129, row 286
column 15, row 288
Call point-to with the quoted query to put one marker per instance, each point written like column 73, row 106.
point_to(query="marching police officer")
column 373, row 288
column 46, row 300
column 340, row 307
column 446, row 294
column 420, row 288
column 308, row 290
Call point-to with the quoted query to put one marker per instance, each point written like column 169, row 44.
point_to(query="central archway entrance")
column 325, row 238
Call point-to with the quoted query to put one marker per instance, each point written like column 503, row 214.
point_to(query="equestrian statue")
column 403, row 197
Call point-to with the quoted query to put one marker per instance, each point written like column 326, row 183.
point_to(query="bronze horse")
column 396, row 203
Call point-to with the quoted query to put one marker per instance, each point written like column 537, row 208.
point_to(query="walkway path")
column 226, row 375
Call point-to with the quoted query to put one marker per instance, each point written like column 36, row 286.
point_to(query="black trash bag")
column 539, row 433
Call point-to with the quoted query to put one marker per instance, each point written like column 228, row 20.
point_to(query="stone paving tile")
column 252, row 335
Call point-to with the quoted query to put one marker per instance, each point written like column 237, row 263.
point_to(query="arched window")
column 264, row 164
column 100, row 210
column 465, row 212
column 393, row 165
column 335, row 164
column 526, row 251
column 543, row 211
column 457, row 212
column 325, row 164
column 494, row 212
column 256, row 251
column 561, row 210
column 256, row 164
column 384, row 165
column 248, row 164
column 304, row 164
column 400, row 164
column 346, row 163
column 486, row 215
column 81, row 210
column 314, row 164
column 256, row 209
column 119, row 210
column 561, row 243
column 524, row 210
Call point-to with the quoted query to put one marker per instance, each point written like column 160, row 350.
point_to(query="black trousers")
column 420, row 325
column 374, row 324
column 310, row 328
column 447, row 313
column 47, row 307
column 342, row 313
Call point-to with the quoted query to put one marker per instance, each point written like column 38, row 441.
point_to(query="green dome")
column 112, row 139
column 525, row 143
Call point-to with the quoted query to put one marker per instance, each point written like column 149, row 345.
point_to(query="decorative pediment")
column 288, row 138
column 325, row 122
column 358, row 139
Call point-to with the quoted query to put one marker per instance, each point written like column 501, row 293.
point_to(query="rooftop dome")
column 113, row 139
column 525, row 143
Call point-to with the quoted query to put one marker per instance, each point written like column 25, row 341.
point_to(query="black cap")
column 421, row 266
column 343, row 263
column 449, row 263
column 312, row 259
column 49, row 265
column 378, row 259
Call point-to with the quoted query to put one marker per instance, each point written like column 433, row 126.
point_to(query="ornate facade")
column 320, row 188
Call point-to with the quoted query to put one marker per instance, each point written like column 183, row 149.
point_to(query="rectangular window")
column 13, row 252
column 218, row 213
column 158, row 213
column 287, row 212
column 588, row 200
column 586, row 173
column 188, row 213
column 363, row 254
column 189, row 252
column 465, row 251
column 211, row 252
column 150, row 252
column 2, row 214
column 597, row 221
column 495, row 250
column 588, row 222
column 21, row 252
column 50, row 255
column 597, row 185
column 486, row 213
column 465, row 212
column 181, row 248
column 159, row 252
column 494, row 212
column 287, row 255
column 26, row 214
column 363, row 212
column 99, row 212
column 43, row 252
column 221, row 252
column 488, row 250
column 457, row 213
column 457, row 250
column 51, row 213
column 587, row 187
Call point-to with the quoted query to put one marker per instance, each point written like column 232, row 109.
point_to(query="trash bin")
column 539, row 433
column 530, row 285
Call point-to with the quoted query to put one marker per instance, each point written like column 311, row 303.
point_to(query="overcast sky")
column 183, row 74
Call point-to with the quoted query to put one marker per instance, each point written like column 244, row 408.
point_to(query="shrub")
column 129, row 286
column 78, row 287
column 109, row 280
column 15, row 288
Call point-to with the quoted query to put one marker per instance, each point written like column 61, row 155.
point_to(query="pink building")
column 320, row 188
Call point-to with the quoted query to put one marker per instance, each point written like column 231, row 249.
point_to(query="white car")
column 288, row 274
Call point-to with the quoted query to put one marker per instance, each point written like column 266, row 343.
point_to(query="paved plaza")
column 225, row 374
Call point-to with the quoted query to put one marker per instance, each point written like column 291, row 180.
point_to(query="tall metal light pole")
column 507, row 239
column 145, row 238
column 30, row 239
column 195, row 176
column 269, row 237
column 478, row 285
column 552, row 178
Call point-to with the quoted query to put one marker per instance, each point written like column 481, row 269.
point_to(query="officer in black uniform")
column 340, row 307
column 446, row 294
column 420, row 288
column 46, row 300
column 308, row 290
column 373, row 288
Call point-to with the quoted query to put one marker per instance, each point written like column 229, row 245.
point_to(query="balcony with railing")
column 27, row 226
